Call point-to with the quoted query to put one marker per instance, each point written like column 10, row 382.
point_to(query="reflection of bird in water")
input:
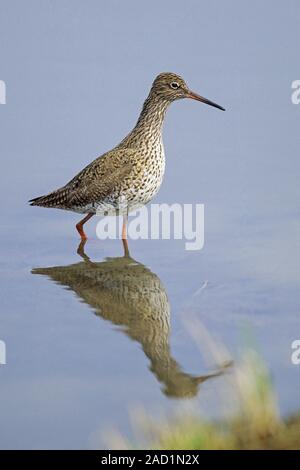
column 128, row 294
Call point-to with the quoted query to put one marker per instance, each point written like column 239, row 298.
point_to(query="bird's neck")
column 148, row 128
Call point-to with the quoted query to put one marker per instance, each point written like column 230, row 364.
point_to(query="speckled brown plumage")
column 130, row 175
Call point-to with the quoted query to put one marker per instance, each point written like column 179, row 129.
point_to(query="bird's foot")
column 81, row 252
column 125, row 247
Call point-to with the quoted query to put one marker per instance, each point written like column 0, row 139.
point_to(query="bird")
column 130, row 175
column 128, row 294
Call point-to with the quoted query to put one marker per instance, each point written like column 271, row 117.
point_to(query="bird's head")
column 171, row 87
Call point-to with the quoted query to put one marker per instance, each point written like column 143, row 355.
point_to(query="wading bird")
column 130, row 175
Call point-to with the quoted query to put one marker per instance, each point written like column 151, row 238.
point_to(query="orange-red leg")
column 124, row 236
column 124, row 228
column 125, row 247
column 80, row 225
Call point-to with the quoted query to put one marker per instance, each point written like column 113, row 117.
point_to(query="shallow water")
column 90, row 336
column 89, row 339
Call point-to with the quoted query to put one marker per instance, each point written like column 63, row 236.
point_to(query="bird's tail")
column 57, row 199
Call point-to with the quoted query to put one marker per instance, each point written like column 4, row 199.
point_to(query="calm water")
column 90, row 338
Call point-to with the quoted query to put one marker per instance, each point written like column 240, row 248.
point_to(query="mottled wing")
column 94, row 183
column 101, row 178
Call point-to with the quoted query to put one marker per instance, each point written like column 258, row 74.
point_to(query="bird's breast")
column 152, row 171
column 147, row 177
column 142, row 185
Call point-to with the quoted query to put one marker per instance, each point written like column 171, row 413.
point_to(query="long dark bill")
column 194, row 96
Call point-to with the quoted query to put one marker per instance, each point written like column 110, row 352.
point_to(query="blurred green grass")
column 254, row 424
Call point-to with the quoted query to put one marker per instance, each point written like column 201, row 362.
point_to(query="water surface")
column 89, row 338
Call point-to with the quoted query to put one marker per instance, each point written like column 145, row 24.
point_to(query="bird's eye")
column 174, row 85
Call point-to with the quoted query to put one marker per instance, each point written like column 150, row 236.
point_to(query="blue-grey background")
column 76, row 75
